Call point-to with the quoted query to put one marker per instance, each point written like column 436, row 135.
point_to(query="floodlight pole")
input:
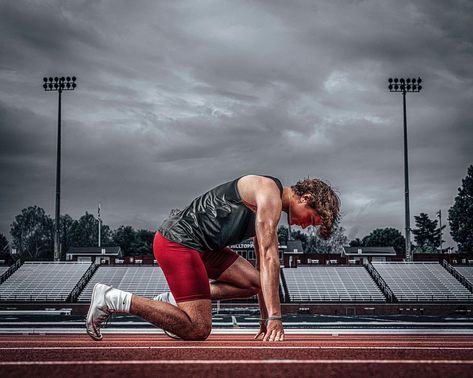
column 404, row 85
column 57, row 249
column 439, row 214
column 59, row 85
column 406, row 184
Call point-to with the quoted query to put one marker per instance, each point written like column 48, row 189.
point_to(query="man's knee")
column 198, row 332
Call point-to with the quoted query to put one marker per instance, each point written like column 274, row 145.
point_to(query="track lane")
column 237, row 356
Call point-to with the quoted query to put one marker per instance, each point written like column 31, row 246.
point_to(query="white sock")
column 118, row 300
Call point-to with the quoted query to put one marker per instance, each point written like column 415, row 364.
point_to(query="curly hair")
column 324, row 200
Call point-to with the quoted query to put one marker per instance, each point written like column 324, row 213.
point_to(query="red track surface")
column 237, row 356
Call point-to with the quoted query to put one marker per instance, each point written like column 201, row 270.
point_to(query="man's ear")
column 306, row 197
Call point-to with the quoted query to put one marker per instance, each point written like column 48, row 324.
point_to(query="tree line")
column 32, row 235
column 32, row 232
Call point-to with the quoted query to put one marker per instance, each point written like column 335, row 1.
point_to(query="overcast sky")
column 175, row 97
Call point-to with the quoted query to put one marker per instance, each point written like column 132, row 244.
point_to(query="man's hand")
column 262, row 329
column 274, row 331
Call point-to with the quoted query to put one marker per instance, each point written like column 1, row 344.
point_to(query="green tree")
column 3, row 244
column 460, row 215
column 312, row 243
column 335, row 243
column 85, row 232
column 5, row 253
column 426, row 235
column 126, row 238
column 385, row 237
column 283, row 235
column 33, row 234
column 144, row 242
column 356, row 243
column 65, row 236
column 302, row 236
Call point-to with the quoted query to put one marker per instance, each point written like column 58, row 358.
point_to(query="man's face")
column 302, row 214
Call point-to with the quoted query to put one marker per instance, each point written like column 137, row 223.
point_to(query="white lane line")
column 240, row 347
column 464, row 330
column 236, row 362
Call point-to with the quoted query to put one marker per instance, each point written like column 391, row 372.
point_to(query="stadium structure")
column 357, row 281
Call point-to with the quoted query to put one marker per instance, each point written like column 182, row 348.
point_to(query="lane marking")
column 243, row 347
column 237, row 362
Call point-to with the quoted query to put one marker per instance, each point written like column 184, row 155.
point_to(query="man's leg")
column 237, row 280
column 191, row 320
column 187, row 278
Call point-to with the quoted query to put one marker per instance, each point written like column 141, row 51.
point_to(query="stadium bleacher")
column 421, row 281
column 331, row 283
column 147, row 281
column 466, row 271
column 42, row 281
column 3, row 269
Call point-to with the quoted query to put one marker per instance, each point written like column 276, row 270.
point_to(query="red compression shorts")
column 187, row 271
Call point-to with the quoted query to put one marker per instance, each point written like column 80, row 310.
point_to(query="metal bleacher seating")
column 146, row 281
column 42, row 281
column 466, row 271
column 331, row 283
column 422, row 281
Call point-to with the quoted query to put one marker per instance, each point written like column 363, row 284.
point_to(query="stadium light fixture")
column 405, row 85
column 58, row 84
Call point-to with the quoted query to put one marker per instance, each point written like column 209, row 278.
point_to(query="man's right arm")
column 268, row 212
column 262, row 304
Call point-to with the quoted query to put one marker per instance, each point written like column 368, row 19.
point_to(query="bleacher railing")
column 381, row 283
column 339, row 298
column 283, row 287
column 10, row 271
column 82, row 283
column 33, row 298
column 460, row 277
column 434, row 298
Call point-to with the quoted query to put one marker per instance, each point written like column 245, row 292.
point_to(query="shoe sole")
column 171, row 335
column 91, row 334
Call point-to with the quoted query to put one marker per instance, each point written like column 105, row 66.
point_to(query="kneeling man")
column 191, row 247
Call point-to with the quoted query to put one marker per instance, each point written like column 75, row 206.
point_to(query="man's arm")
column 262, row 304
column 269, row 206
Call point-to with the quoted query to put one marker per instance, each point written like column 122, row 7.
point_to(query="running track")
column 236, row 356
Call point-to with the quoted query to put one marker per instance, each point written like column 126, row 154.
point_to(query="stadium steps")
column 283, row 288
column 459, row 275
column 82, row 283
column 381, row 283
column 12, row 269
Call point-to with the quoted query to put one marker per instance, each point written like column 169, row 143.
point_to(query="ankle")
column 118, row 300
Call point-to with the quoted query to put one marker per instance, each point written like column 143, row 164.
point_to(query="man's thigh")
column 217, row 262
column 241, row 274
column 184, row 270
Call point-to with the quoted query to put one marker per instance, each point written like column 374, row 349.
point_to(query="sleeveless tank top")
column 213, row 220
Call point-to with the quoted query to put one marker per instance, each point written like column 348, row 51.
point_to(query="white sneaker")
column 167, row 298
column 104, row 302
column 98, row 311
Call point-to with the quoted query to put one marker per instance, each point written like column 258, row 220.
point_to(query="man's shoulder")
column 260, row 180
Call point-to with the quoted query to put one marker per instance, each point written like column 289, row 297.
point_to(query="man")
column 191, row 247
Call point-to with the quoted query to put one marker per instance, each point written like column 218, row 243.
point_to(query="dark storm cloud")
column 175, row 97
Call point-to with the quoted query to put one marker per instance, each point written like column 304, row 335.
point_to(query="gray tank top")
column 213, row 220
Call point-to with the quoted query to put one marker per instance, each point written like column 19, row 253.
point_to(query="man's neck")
column 287, row 195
